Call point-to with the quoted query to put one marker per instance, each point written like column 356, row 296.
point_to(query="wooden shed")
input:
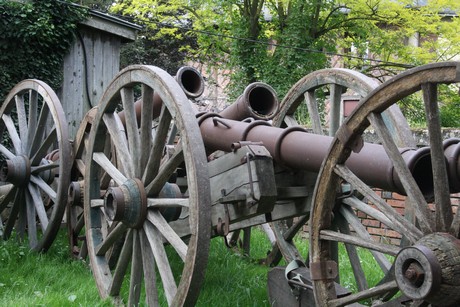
column 92, row 62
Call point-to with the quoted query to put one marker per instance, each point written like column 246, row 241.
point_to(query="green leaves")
column 34, row 37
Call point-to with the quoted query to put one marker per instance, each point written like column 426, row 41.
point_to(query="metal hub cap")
column 16, row 171
column 127, row 203
column 424, row 271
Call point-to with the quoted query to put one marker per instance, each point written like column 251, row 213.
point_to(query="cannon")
column 157, row 187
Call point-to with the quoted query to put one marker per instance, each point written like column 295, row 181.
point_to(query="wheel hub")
column 127, row 203
column 430, row 269
column 16, row 171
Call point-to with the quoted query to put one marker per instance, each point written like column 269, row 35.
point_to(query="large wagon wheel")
column 143, row 220
column 35, row 154
column 307, row 93
column 425, row 269
column 74, row 212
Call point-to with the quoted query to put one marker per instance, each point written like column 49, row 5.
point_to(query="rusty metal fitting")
column 127, row 203
column 16, row 171
column 418, row 272
column 75, row 193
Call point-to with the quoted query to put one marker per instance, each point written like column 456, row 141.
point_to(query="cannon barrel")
column 452, row 154
column 189, row 79
column 296, row 148
column 258, row 101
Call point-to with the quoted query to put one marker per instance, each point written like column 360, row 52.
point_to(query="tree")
column 166, row 47
column 279, row 41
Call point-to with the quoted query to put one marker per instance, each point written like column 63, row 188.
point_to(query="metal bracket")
column 223, row 226
column 323, row 270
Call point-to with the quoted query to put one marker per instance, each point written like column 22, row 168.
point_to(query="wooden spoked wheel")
column 35, row 157
column 424, row 268
column 74, row 212
column 142, row 230
column 307, row 94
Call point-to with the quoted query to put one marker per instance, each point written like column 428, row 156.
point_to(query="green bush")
column 34, row 38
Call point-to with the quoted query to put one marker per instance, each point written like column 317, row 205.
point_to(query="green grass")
column 54, row 279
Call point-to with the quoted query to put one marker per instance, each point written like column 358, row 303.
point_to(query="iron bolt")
column 415, row 274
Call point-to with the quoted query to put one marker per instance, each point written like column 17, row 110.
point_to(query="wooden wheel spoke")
column 33, row 112
column 399, row 222
column 146, row 124
column 168, row 233
column 22, row 121
column 37, row 201
column 41, row 151
column 31, row 220
column 351, row 239
column 156, row 153
column 101, row 159
column 111, row 238
column 443, row 211
column 135, row 282
column 34, row 170
column 165, row 172
column 408, row 182
column 334, row 112
column 13, row 133
column 122, row 265
column 313, row 112
column 369, row 293
column 370, row 211
column 168, row 202
column 131, row 125
column 8, row 154
column 361, row 231
column 14, row 211
column 21, row 222
column 8, row 196
column 44, row 187
column 355, row 262
column 161, row 259
column 40, row 129
column 148, row 261
column 118, row 138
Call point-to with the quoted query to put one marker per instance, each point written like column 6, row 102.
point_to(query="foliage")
column 34, row 37
column 163, row 46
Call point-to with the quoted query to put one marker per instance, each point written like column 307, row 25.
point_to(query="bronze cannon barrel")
column 189, row 79
column 296, row 148
column 258, row 101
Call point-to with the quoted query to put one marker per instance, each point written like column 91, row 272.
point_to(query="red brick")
column 370, row 223
column 396, row 203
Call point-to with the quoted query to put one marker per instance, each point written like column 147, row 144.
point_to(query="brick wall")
column 379, row 231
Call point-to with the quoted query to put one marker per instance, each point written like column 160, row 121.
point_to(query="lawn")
column 54, row 279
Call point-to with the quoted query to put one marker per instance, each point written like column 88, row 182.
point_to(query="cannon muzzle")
column 190, row 80
column 259, row 101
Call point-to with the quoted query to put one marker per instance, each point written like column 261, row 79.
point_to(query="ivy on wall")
column 34, row 38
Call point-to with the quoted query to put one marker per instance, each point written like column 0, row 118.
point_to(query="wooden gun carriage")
column 148, row 179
